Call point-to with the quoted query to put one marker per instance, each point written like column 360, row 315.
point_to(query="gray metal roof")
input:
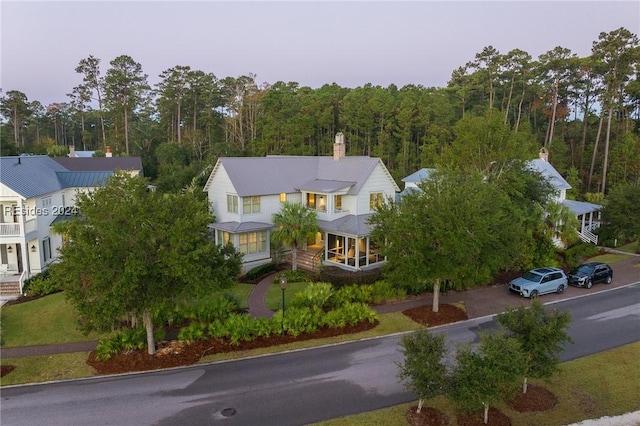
column 236, row 227
column 285, row 174
column 350, row 225
column 550, row 173
column 38, row 175
column 581, row 207
column 320, row 185
column 83, row 179
column 100, row 164
column 31, row 176
column 419, row 176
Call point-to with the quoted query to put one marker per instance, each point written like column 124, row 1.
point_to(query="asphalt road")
column 292, row 388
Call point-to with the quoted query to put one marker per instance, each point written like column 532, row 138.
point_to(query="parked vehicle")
column 540, row 281
column 588, row 274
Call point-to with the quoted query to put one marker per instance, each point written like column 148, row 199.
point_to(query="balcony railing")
column 10, row 230
column 14, row 229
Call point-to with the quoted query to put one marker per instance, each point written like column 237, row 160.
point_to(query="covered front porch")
column 588, row 215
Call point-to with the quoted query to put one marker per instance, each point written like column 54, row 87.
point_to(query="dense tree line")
column 584, row 110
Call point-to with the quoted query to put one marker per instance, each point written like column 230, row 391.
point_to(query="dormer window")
column 338, row 203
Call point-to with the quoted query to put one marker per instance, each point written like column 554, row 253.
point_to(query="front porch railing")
column 9, row 229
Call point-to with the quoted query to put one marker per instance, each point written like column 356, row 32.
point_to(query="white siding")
column 378, row 181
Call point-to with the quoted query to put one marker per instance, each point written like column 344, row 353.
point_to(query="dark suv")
column 588, row 274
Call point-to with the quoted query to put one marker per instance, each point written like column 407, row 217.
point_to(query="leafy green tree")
column 456, row 228
column 423, row 369
column 562, row 223
column 296, row 224
column 542, row 334
column 132, row 251
column 621, row 213
column 485, row 375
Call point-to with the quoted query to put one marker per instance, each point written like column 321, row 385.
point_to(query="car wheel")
column 560, row 289
column 589, row 284
column 533, row 295
column 609, row 278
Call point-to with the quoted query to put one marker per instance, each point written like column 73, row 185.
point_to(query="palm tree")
column 561, row 223
column 295, row 225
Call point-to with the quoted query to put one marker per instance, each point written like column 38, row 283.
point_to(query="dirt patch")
column 428, row 416
column 6, row 369
column 537, row 398
column 446, row 314
column 496, row 418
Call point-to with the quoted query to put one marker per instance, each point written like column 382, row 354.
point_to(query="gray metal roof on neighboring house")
column 419, row 176
column 38, row 175
column 285, row 174
column 351, row 225
column 581, row 207
column 100, row 164
column 31, row 176
column 548, row 171
column 83, row 179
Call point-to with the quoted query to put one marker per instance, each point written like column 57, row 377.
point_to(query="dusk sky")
column 350, row 43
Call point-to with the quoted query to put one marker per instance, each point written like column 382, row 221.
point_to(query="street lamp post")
column 283, row 286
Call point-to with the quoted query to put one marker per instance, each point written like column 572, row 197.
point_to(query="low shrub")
column 577, row 253
column 385, row 291
column 299, row 320
column 128, row 339
column 296, row 276
column 193, row 332
column 314, row 295
column 261, row 271
column 340, row 277
column 41, row 285
column 207, row 309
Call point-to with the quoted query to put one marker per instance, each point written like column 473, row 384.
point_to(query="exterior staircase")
column 10, row 288
column 308, row 259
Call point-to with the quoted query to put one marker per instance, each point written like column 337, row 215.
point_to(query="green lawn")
column 273, row 299
column 42, row 321
column 630, row 248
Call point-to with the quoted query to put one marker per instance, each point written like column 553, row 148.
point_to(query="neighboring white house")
column 588, row 214
column 246, row 192
column 36, row 191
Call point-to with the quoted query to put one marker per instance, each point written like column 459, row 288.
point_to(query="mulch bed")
column 537, row 398
column 495, row 418
column 6, row 369
column 446, row 314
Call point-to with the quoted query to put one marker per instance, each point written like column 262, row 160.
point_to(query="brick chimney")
column 108, row 152
column 544, row 154
column 339, row 150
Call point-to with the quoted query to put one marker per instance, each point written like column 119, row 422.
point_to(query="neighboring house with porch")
column 588, row 214
column 35, row 192
column 246, row 192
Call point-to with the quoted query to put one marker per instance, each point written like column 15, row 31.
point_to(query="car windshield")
column 532, row 276
column 585, row 269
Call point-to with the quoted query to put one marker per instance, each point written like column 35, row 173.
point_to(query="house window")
column 283, row 197
column 46, row 249
column 375, row 200
column 46, row 202
column 232, row 203
column 311, row 201
column 253, row 242
column 250, row 204
column 223, row 237
column 338, row 200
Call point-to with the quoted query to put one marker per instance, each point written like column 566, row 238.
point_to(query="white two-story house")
column 588, row 214
column 246, row 192
column 35, row 192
